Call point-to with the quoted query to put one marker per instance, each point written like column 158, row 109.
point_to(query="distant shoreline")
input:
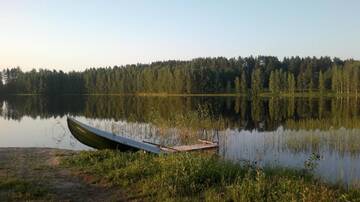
column 264, row 94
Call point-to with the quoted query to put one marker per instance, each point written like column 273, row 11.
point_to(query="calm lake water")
column 267, row 131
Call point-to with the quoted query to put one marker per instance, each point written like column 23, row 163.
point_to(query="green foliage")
column 13, row 189
column 237, row 85
column 256, row 84
column 291, row 83
column 278, row 82
column 321, row 83
column 201, row 176
column 201, row 75
column 243, row 84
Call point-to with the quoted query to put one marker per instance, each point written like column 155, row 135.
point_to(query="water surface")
column 263, row 131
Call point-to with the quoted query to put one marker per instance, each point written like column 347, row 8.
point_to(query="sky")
column 75, row 35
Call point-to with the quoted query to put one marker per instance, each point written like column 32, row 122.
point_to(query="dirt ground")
column 40, row 167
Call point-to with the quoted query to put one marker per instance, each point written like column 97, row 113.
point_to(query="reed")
column 343, row 141
column 202, row 177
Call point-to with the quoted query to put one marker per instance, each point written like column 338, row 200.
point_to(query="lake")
column 320, row 133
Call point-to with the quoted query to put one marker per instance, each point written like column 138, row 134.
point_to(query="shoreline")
column 314, row 94
column 28, row 174
column 61, row 174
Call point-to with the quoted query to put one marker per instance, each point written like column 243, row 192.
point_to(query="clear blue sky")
column 79, row 34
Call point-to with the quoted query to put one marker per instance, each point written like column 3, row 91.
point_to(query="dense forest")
column 249, row 75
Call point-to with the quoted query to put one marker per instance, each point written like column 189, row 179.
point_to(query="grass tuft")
column 12, row 189
column 205, row 177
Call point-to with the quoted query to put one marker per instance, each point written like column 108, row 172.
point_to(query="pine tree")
column 243, row 84
column 335, row 79
column 355, row 79
column 256, row 85
column 291, row 83
column 278, row 81
column 272, row 83
column 321, row 83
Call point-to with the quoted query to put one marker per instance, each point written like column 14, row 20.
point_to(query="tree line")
column 248, row 75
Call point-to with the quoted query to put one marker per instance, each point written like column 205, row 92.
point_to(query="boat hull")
column 99, row 139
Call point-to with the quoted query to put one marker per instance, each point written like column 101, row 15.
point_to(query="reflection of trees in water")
column 258, row 144
column 342, row 141
column 256, row 109
column 60, row 135
column 174, row 129
column 331, row 113
column 58, row 132
column 41, row 106
column 230, row 112
column 153, row 133
column 3, row 108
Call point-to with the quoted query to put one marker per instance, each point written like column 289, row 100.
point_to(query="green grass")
column 202, row 177
column 14, row 189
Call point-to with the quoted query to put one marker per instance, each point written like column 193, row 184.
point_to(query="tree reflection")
column 230, row 112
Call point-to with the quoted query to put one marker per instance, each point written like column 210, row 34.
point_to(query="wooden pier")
column 204, row 145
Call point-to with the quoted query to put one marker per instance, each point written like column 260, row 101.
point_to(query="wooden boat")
column 99, row 139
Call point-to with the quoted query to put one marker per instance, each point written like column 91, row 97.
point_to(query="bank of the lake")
column 35, row 174
column 201, row 177
column 64, row 175
column 264, row 94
